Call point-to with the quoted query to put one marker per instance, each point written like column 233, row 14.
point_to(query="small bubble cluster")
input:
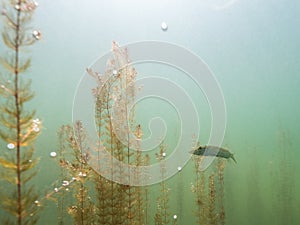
column 81, row 174
column 36, row 125
column 26, row 6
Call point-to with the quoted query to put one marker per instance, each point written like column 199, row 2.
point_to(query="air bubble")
column 37, row 34
column 65, row 183
column 36, row 129
column 175, row 217
column 53, row 154
column 164, row 26
column 80, row 174
column 37, row 203
column 31, row 6
column 164, row 154
column 10, row 146
column 115, row 72
column 17, row 7
column 36, row 121
column 179, row 168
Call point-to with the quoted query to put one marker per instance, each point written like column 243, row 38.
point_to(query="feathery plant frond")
column 114, row 93
column 19, row 128
column 113, row 203
column 209, row 193
column 74, row 161
column 162, row 210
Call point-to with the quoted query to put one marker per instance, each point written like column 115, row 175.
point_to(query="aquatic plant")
column 146, row 199
column 255, row 196
column 212, row 200
column 75, row 163
column 141, row 193
column 180, row 196
column 61, row 200
column 199, row 189
column 284, row 181
column 162, row 214
column 209, row 192
column 113, row 203
column 114, row 93
column 19, row 127
column 221, row 213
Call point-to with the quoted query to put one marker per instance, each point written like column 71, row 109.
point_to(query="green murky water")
column 252, row 48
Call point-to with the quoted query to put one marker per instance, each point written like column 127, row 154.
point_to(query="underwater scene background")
column 252, row 50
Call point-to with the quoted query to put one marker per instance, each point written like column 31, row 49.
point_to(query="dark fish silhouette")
column 213, row 151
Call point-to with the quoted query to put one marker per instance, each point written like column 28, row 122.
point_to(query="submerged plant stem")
column 18, row 127
column 16, row 73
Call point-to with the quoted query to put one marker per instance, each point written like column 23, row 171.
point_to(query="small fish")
column 213, row 151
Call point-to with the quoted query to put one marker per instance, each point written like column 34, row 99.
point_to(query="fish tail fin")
column 233, row 158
